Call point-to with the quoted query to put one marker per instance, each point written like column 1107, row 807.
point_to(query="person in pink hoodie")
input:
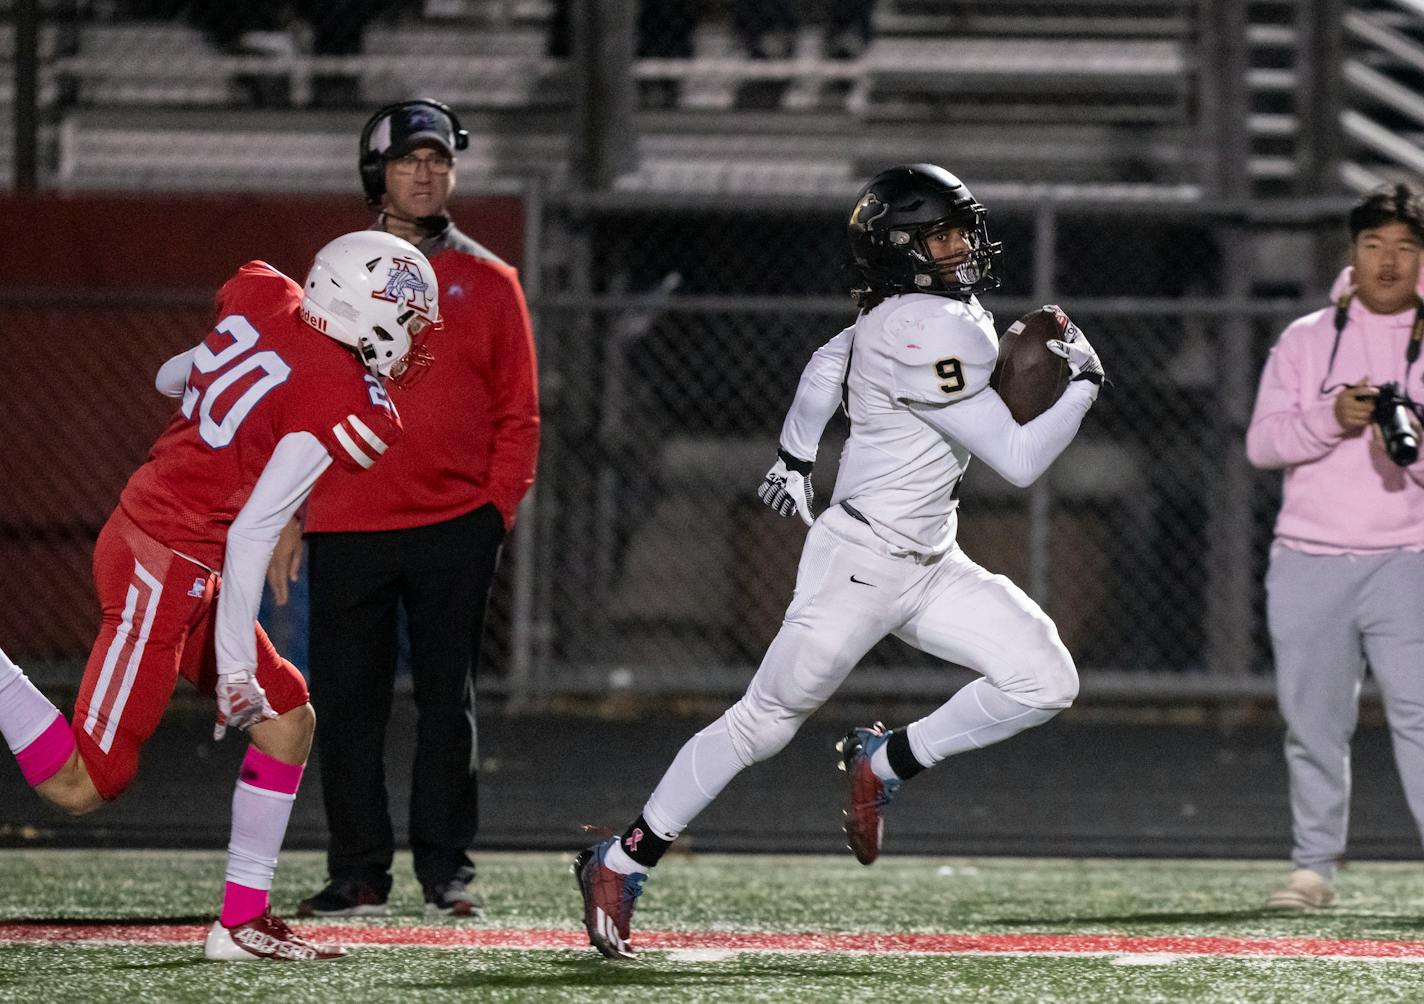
column 1345, row 588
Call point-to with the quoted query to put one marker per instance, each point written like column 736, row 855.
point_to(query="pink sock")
column 41, row 759
column 261, row 806
column 262, row 771
column 241, row 904
column 31, row 726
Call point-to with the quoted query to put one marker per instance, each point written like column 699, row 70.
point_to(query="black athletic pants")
column 441, row 574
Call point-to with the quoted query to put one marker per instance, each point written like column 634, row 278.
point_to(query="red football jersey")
column 261, row 374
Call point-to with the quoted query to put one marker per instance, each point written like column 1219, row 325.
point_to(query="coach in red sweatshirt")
column 422, row 531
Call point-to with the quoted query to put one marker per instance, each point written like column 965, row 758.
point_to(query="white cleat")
column 265, row 938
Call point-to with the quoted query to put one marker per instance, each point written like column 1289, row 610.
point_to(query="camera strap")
column 1342, row 318
column 1416, row 335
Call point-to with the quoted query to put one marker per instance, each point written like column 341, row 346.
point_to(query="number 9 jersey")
column 913, row 351
column 261, row 375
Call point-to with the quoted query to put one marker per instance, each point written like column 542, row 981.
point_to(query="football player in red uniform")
column 291, row 380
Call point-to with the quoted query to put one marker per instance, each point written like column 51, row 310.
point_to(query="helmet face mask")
column 376, row 294
column 418, row 359
column 896, row 217
column 958, row 271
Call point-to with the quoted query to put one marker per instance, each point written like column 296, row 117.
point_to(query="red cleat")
column 265, row 937
column 869, row 795
column 608, row 901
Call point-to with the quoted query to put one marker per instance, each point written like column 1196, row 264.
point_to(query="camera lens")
column 1392, row 417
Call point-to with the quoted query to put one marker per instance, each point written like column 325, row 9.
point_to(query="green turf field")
column 736, row 929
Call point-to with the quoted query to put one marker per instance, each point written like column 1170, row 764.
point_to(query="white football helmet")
column 376, row 293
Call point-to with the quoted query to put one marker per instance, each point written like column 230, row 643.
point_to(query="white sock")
column 880, row 764
column 259, row 823
column 25, row 713
column 978, row 715
column 617, row 860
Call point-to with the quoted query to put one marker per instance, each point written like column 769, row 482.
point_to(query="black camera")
column 1393, row 411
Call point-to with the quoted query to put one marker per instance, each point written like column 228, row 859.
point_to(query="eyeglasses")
column 410, row 163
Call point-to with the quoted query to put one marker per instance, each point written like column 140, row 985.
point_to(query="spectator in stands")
column 768, row 27
column 224, row 24
column 848, row 28
column 337, row 28
column 1345, row 587
column 665, row 29
column 425, row 537
column 283, row 27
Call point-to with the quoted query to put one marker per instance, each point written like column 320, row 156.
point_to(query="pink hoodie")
column 1342, row 494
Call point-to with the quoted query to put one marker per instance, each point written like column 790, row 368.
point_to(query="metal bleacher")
column 1095, row 94
column 1383, row 119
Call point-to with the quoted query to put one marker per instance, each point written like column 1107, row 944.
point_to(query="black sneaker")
column 345, row 897
column 453, row 898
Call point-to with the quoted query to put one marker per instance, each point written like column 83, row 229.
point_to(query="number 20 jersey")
column 911, row 351
column 260, row 375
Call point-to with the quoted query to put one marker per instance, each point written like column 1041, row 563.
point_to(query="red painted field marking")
column 875, row 944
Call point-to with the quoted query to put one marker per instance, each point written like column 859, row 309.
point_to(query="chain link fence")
column 673, row 327
column 672, row 340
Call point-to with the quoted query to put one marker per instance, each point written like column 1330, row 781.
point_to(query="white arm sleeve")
column 173, row 375
column 818, row 395
column 1019, row 453
column 296, row 463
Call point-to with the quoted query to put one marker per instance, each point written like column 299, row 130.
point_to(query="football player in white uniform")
column 913, row 375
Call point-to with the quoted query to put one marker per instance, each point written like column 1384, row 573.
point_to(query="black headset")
column 372, row 162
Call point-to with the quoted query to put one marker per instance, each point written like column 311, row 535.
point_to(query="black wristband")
column 801, row 467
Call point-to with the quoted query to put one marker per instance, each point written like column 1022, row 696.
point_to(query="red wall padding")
column 105, row 289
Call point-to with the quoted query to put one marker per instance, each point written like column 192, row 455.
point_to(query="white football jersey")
column 896, row 470
column 913, row 374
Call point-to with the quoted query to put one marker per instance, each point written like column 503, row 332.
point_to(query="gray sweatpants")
column 1329, row 616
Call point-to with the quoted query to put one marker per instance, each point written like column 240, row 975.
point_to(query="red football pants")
column 158, row 609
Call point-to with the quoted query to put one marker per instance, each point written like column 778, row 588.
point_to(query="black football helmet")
column 895, row 213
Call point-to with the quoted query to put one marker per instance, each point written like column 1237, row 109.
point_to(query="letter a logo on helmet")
column 404, row 283
column 376, row 293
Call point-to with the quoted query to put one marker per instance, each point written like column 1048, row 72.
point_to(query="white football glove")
column 242, row 703
column 1083, row 361
column 787, row 487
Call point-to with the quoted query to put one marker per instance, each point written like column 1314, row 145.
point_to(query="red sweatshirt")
column 471, row 423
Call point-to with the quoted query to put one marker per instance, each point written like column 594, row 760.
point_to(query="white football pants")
column 853, row 589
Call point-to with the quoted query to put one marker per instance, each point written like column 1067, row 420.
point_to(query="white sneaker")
column 1304, row 890
column 264, row 937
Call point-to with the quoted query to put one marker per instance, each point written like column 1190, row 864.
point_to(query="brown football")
column 1027, row 376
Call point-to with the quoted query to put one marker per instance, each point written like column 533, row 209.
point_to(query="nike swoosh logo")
column 858, row 582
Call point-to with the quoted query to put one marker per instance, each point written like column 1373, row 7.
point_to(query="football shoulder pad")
column 941, row 351
column 255, row 284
